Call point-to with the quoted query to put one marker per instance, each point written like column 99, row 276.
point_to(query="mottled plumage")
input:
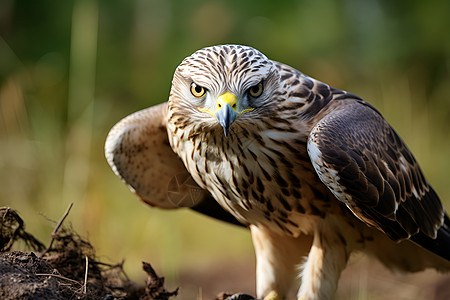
column 314, row 171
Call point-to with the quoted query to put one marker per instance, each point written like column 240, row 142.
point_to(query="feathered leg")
column 326, row 260
column 276, row 259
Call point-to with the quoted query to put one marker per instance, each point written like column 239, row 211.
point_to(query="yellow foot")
column 273, row 295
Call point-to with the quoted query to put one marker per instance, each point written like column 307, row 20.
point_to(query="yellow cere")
column 224, row 99
column 227, row 98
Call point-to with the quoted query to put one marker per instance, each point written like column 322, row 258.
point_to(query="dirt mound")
column 66, row 269
column 27, row 276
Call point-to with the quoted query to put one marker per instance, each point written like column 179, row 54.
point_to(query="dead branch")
column 55, row 231
column 86, row 275
column 59, row 277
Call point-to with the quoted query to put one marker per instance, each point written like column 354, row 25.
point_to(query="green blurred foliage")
column 69, row 70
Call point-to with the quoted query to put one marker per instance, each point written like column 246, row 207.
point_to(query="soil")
column 67, row 269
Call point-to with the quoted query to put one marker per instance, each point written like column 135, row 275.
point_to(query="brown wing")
column 363, row 161
column 137, row 149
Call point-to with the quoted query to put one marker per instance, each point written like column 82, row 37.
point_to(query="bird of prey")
column 315, row 172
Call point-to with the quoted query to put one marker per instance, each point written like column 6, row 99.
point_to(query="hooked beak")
column 226, row 112
column 226, row 115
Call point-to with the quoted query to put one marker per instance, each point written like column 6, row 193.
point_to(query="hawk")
column 315, row 172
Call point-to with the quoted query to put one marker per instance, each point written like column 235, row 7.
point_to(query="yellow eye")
column 256, row 90
column 197, row 90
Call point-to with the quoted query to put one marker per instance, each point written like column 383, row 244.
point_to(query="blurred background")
column 69, row 70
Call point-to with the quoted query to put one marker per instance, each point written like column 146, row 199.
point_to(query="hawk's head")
column 222, row 85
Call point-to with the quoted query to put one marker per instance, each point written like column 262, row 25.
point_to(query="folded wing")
column 366, row 165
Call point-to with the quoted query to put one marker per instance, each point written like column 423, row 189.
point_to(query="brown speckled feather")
column 373, row 171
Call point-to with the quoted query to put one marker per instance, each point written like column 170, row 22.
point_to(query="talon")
column 241, row 297
column 273, row 295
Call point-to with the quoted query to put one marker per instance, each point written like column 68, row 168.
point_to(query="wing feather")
column 364, row 162
column 138, row 150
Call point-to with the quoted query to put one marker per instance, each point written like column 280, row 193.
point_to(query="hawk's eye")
column 256, row 90
column 197, row 90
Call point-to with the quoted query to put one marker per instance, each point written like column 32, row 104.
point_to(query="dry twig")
column 55, row 231
column 59, row 277
column 86, row 275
